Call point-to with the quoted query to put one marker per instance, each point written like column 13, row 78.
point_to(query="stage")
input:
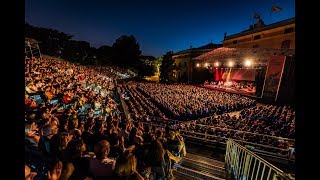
column 242, row 91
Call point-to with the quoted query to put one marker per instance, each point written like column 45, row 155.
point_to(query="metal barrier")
column 175, row 122
column 245, row 165
column 262, row 149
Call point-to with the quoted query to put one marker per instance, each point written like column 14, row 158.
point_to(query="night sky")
column 159, row 26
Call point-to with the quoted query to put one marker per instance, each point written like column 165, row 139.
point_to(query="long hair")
column 126, row 164
column 74, row 149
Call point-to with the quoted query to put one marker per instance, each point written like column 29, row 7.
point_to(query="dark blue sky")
column 159, row 26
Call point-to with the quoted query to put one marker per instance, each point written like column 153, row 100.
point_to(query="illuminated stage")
column 232, row 87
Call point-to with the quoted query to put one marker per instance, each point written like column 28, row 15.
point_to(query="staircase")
column 195, row 167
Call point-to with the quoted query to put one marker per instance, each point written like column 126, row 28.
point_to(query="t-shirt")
column 101, row 168
column 115, row 152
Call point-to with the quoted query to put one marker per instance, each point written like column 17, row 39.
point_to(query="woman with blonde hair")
column 126, row 167
column 31, row 133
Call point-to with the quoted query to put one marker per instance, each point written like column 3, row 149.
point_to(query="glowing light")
column 230, row 64
column 216, row 64
column 206, row 64
column 198, row 65
column 229, row 75
column 247, row 63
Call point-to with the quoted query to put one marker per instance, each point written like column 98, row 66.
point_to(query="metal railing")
column 262, row 149
column 243, row 164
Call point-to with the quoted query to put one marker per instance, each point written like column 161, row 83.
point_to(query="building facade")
column 183, row 65
column 279, row 35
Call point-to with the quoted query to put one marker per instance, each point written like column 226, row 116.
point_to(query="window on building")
column 235, row 42
column 255, row 46
column 288, row 30
column 256, row 37
column 286, row 44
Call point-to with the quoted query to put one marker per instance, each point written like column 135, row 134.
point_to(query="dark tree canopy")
column 166, row 67
column 126, row 51
column 52, row 41
column 104, row 54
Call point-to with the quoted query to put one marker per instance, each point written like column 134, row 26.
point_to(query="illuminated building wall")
column 277, row 35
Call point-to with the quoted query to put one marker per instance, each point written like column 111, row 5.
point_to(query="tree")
column 157, row 64
column 52, row 42
column 147, row 66
column 76, row 51
column 126, row 51
column 144, row 69
column 166, row 67
column 104, row 55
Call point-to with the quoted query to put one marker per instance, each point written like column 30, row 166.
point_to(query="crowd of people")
column 185, row 102
column 140, row 107
column 256, row 124
column 74, row 129
column 259, row 124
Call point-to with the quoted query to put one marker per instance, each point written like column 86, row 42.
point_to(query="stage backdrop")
column 273, row 77
column 234, row 74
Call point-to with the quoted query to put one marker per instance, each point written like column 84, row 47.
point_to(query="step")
column 198, row 174
column 180, row 175
column 201, row 167
column 205, row 160
column 204, row 167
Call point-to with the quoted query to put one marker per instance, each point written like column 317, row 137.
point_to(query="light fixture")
column 247, row 63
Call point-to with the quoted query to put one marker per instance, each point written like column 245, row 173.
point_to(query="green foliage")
column 147, row 66
column 166, row 67
column 144, row 69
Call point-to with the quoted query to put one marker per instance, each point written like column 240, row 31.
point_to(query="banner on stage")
column 273, row 77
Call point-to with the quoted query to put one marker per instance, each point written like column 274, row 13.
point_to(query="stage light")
column 206, row 64
column 216, row 64
column 198, row 65
column 230, row 64
column 247, row 63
